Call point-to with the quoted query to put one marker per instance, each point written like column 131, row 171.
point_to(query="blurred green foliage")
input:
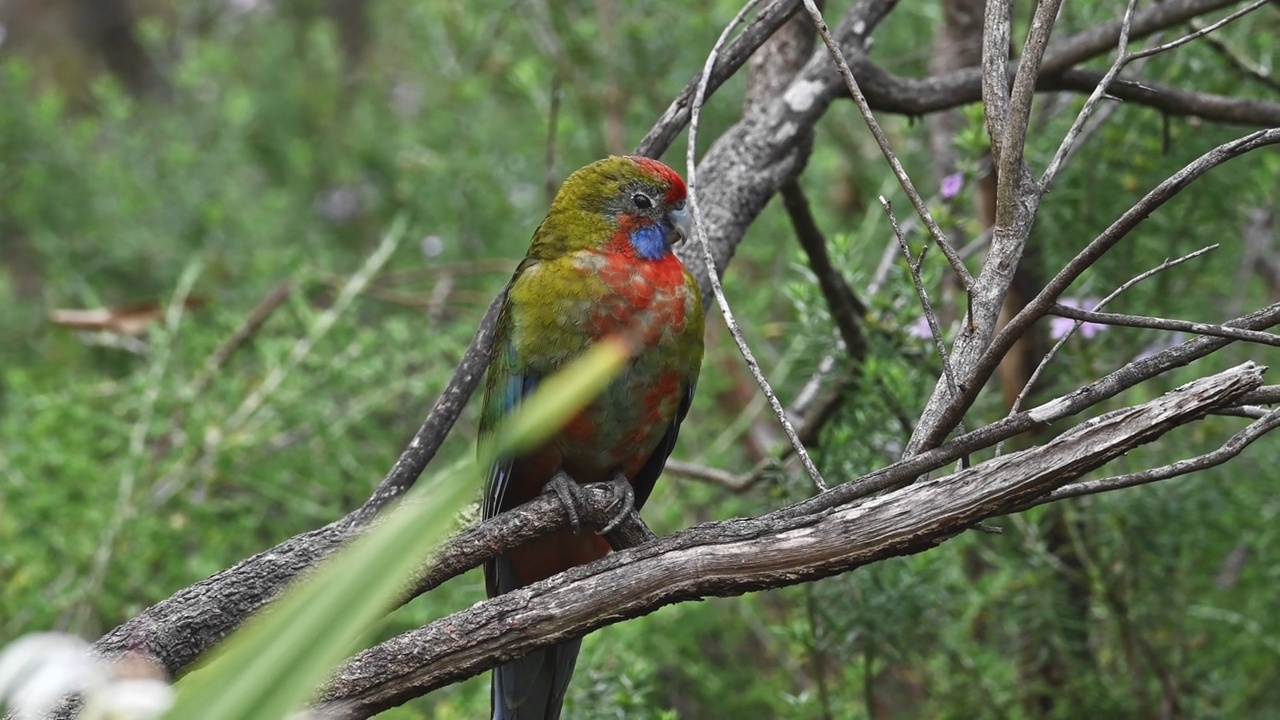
column 283, row 149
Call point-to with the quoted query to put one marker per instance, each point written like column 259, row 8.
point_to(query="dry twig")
column 701, row 237
column 1039, row 306
column 1230, row 449
column 1157, row 323
column 882, row 140
column 1044, row 362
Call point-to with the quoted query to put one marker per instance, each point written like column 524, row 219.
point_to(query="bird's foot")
column 626, row 498
column 569, row 493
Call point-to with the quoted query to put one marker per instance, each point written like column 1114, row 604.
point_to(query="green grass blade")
column 273, row 664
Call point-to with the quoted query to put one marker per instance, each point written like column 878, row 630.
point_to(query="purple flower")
column 1060, row 326
column 1163, row 343
column 920, row 329
column 951, row 185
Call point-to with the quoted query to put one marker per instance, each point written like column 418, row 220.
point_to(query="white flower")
column 37, row 671
column 133, row 698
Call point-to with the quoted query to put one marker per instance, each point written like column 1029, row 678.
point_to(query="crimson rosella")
column 600, row 264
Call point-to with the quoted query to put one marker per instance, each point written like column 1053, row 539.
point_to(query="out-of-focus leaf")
column 275, row 662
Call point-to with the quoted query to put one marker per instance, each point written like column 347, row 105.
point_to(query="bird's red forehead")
column 677, row 189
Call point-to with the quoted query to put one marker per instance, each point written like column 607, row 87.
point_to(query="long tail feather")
column 533, row 687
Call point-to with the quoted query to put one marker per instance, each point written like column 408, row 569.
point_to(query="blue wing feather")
column 511, row 387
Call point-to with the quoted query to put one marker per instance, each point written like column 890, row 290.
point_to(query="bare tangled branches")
column 736, row 556
column 841, row 529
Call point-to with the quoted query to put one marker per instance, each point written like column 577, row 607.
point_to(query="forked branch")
column 738, row 556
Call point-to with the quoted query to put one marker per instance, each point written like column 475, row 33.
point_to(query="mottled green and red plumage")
column 600, row 264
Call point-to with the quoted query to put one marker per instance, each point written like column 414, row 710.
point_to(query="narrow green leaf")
column 563, row 394
column 274, row 663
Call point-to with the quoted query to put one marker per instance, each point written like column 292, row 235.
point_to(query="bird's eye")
column 642, row 201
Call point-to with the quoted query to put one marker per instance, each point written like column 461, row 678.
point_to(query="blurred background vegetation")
column 172, row 165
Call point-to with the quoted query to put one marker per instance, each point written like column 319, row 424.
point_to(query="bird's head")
column 624, row 204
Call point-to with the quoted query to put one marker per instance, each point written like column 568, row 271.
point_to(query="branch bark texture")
column 738, row 556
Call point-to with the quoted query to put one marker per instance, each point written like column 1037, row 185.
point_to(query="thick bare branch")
column 1265, row 395
column 1024, row 86
column 997, row 39
column 1017, row 201
column 1230, row 449
column 1172, row 100
column 598, row 503
column 177, row 630
column 735, row 53
column 737, row 556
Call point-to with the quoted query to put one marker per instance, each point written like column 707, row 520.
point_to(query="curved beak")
column 681, row 222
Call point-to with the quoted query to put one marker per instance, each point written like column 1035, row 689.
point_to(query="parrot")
column 600, row 264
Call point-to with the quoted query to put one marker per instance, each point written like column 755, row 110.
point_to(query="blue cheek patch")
column 650, row 241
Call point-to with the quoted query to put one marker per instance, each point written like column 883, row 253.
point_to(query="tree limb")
column 1230, row 449
column 598, row 503
column 737, row 556
column 1017, row 202
column 1172, row 100
column 735, row 53
column 887, row 92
